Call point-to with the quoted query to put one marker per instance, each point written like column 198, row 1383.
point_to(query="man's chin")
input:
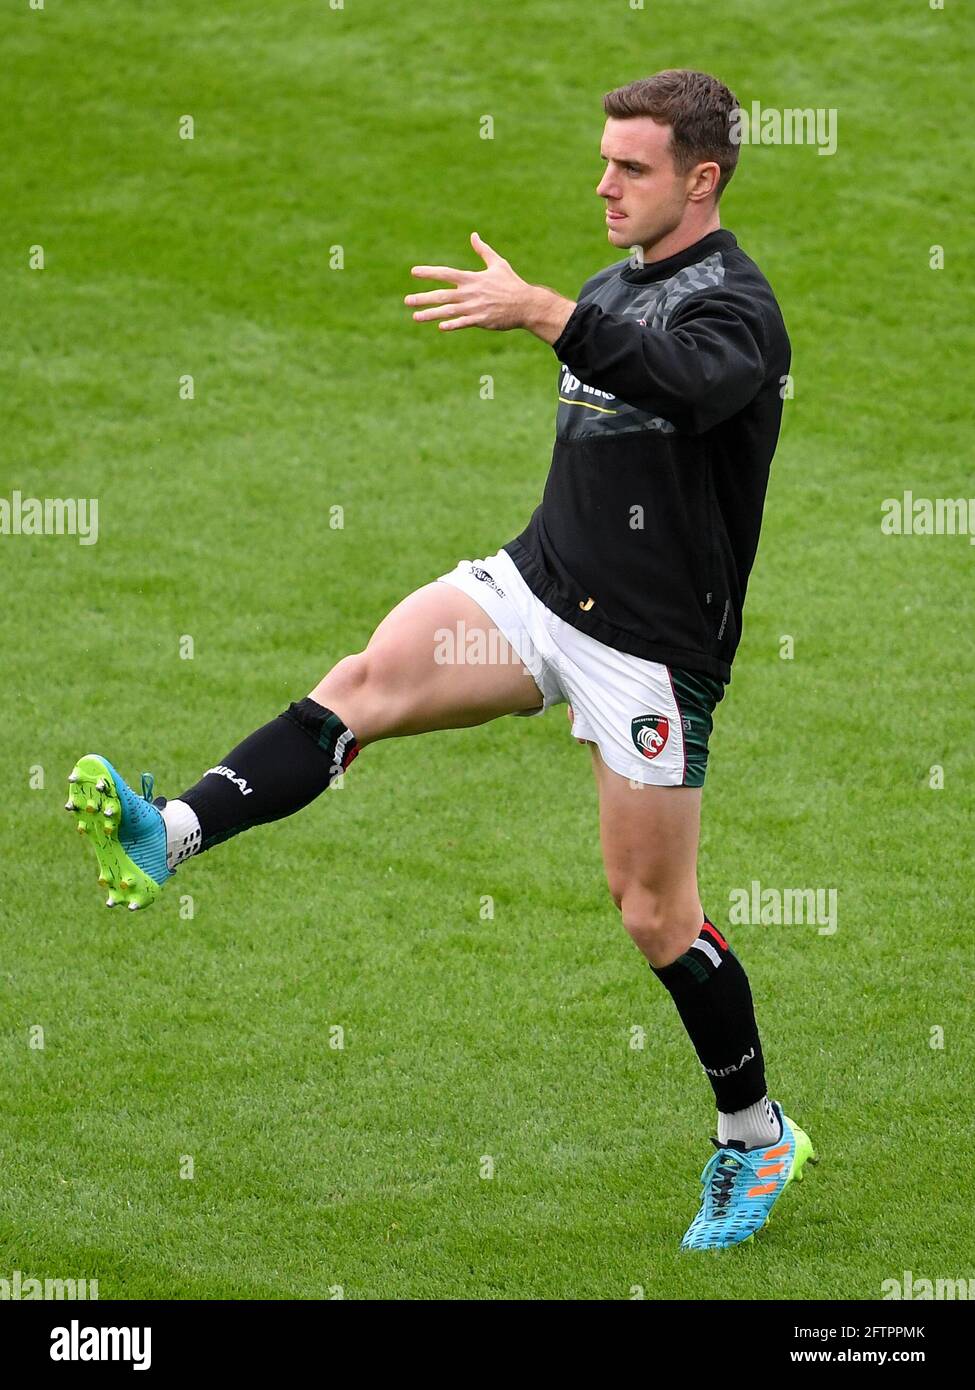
column 618, row 237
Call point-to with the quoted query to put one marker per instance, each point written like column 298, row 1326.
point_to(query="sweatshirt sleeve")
column 704, row 367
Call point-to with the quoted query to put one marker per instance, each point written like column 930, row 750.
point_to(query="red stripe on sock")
column 709, row 927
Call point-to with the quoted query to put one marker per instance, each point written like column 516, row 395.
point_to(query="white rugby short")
column 650, row 723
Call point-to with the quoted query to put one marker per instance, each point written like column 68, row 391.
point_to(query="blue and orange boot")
column 126, row 831
column 741, row 1186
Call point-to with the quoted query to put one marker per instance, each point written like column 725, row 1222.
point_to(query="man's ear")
column 704, row 181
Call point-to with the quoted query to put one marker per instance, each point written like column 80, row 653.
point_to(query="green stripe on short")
column 697, row 695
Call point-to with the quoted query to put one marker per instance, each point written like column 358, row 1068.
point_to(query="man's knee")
column 347, row 690
column 368, row 691
column 348, row 677
column 662, row 926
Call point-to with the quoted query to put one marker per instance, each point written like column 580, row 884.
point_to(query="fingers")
column 487, row 253
column 443, row 304
column 444, row 300
column 442, row 272
column 431, row 297
column 443, row 311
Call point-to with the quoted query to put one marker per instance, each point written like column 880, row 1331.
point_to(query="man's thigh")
column 649, row 837
column 436, row 661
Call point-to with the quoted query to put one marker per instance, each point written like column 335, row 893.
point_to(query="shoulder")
column 734, row 281
column 601, row 277
column 744, row 275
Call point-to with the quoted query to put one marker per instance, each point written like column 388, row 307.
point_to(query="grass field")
column 165, row 1036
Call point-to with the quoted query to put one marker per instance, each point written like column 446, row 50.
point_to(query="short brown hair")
column 699, row 109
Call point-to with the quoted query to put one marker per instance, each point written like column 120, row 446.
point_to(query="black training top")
column 670, row 401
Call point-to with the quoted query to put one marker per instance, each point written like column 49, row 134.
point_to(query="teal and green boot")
column 740, row 1186
column 126, row 831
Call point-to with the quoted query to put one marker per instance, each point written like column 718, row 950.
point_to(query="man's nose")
column 605, row 187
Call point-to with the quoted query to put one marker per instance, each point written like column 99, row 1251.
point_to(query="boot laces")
column 723, row 1177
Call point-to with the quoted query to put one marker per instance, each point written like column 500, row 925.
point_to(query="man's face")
column 640, row 182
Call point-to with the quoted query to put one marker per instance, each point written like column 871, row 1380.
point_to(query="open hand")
column 494, row 298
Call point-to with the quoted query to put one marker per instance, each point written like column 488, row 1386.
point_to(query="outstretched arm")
column 494, row 298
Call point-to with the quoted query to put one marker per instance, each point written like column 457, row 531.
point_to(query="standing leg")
column 649, row 839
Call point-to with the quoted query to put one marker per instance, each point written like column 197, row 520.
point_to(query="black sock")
column 710, row 988
column 276, row 771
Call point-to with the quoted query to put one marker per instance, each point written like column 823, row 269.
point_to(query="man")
column 622, row 597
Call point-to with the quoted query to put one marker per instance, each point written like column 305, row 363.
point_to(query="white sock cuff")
column 754, row 1126
column 183, row 833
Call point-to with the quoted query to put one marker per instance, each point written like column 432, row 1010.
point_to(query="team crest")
column 650, row 733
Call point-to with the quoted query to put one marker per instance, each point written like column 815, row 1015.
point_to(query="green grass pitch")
column 317, row 1168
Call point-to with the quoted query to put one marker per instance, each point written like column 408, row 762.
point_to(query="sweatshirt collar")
column 721, row 240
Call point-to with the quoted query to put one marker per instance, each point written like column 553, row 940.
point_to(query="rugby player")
column 621, row 598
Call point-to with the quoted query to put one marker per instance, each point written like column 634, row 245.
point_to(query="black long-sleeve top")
column 670, row 401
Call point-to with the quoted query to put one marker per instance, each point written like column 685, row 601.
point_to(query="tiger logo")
column 650, row 733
